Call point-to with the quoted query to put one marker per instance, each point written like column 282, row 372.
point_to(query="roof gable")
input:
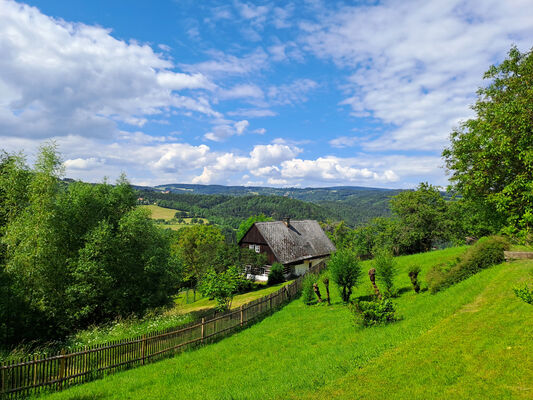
column 299, row 241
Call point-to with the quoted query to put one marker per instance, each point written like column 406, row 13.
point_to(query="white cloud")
column 61, row 78
column 293, row 93
column 344, row 141
column 226, row 129
column 253, row 113
column 178, row 81
column 223, row 65
column 242, row 91
column 259, row 131
column 416, row 64
column 82, row 163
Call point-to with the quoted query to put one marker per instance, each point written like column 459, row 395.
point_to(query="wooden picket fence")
column 30, row 375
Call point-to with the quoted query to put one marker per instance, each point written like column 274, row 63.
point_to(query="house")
column 297, row 245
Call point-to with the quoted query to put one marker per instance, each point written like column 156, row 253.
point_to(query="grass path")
column 458, row 337
column 482, row 351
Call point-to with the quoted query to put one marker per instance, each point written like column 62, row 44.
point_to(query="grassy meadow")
column 472, row 340
column 168, row 214
column 182, row 313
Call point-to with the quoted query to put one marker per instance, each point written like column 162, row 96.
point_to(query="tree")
column 221, row 286
column 345, row 271
column 75, row 254
column 245, row 225
column 197, row 248
column 423, row 217
column 490, row 157
column 386, row 270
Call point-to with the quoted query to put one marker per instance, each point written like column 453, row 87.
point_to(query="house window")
column 257, row 248
column 251, row 246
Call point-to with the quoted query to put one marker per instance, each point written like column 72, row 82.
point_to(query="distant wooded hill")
column 229, row 205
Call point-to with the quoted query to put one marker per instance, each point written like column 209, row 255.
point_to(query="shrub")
column 276, row 274
column 414, row 270
column 221, row 286
column 525, row 294
column 345, row 271
column 370, row 313
column 308, row 293
column 485, row 253
column 385, row 266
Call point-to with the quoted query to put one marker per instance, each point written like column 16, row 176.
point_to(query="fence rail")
column 32, row 374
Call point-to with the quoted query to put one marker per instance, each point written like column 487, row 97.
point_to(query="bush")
column 385, row 270
column 485, row 253
column 276, row 274
column 370, row 313
column 308, row 293
column 525, row 294
column 345, row 271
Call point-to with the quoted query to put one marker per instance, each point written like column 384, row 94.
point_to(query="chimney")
column 287, row 221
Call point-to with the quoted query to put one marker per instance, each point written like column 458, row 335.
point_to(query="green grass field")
column 168, row 215
column 182, row 313
column 471, row 341
column 203, row 303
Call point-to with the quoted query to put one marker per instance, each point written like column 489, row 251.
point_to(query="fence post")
column 242, row 319
column 203, row 329
column 270, row 300
column 61, row 368
column 34, row 370
column 3, row 378
column 143, row 349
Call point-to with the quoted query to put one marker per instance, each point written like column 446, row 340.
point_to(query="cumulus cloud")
column 83, row 163
column 226, row 129
column 416, row 64
column 61, row 78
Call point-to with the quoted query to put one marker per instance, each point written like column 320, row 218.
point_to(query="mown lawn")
column 203, row 303
column 472, row 340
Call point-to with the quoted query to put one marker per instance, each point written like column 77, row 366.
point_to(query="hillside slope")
column 470, row 341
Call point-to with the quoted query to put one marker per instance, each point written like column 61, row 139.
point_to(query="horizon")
column 249, row 93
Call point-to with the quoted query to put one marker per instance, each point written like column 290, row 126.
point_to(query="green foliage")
column 245, row 225
column 423, row 217
column 308, row 293
column 371, row 313
column 77, row 254
column 524, row 293
column 276, row 274
column 386, row 270
column 221, row 286
column 490, row 156
column 345, row 271
column 196, row 247
column 485, row 253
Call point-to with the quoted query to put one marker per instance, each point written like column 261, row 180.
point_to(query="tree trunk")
column 372, row 276
column 317, row 292
column 326, row 283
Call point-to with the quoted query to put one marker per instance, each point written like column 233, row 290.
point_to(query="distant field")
column 160, row 212
column 168, row 214
column 471, row 341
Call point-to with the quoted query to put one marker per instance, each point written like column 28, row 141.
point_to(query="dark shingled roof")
column 299, row 241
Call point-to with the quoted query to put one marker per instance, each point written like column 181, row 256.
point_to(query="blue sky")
column 292, row 93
